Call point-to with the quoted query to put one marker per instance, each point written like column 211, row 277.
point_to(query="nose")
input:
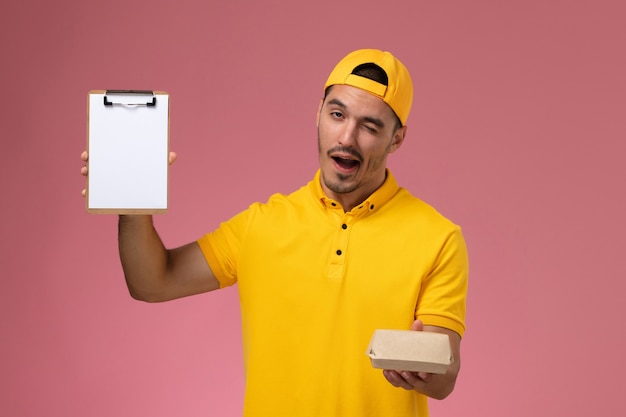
column 348, row 134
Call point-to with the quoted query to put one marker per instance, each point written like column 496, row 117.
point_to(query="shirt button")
column 344, row 226
column 338, row 251
column 372, row 207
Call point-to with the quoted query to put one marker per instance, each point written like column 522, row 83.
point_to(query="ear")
column 319, row 111
column 397, row 139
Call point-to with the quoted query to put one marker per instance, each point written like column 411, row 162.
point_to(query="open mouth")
column 346, row 163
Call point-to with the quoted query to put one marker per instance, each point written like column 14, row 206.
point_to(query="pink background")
column 517, row 133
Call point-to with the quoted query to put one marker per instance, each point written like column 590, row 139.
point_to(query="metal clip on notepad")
column 130, row 98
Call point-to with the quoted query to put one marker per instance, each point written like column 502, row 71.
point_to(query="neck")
column 351, row 199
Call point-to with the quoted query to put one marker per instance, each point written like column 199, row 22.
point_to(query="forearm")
column 143, row 256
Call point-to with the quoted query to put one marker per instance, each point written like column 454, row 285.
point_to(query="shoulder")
column 300, row 200
column 412, row 209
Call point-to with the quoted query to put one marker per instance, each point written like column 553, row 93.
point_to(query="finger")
column 84, row 156
column 424, row 376
column 396, row 379
column 84, row 170
column 417, row 325
column 172, row 157
column 414, row 378
column 84, row 192
column 393, row 377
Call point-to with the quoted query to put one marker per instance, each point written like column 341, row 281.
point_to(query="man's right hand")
column 154, row 273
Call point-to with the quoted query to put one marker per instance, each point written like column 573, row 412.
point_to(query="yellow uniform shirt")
column 314, row 284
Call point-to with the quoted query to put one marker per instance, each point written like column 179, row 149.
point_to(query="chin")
column 340, row 185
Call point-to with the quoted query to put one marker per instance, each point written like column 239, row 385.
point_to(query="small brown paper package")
column 408, row 350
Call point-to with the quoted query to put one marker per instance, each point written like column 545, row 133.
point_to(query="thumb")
column 172, row 157
column 417, row 325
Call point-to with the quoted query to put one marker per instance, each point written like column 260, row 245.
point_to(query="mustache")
column 345, row 149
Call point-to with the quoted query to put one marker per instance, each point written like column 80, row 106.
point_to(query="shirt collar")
column 375, row 201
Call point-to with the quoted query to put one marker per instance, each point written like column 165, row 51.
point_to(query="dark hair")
column 375, row 73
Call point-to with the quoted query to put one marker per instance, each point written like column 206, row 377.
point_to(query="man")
column 320, row 269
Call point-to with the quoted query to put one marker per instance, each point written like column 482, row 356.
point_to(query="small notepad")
column 128, row 146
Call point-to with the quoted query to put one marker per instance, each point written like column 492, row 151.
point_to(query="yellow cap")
column 398, row 93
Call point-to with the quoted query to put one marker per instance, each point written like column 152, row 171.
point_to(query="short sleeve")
column 442, row 299
column 222, row 247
